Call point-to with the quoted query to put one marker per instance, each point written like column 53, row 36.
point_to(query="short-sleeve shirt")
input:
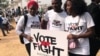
column 32, row 22
column 79, row 25
column 5, row 20
column 55, row 20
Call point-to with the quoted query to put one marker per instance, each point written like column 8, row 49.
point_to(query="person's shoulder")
column 64, row 12
column 86, row 13
column 21, row 17
column 92, row 5
column 37, row 16
column 68, row 16
column 50, row 11
column 28, row 15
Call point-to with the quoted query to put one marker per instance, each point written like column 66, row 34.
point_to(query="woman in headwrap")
column 32, row 22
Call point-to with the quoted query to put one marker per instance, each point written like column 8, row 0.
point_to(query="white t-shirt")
column 73, row 27
column 5, row 20
column 55, row 20
column 33, row 22
column 17, row 18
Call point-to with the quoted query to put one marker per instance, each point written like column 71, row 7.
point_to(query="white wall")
column 24, row 3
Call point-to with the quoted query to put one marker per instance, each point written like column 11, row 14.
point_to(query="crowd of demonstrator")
column 78, row 19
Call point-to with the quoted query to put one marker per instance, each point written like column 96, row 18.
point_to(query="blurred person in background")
column 24, row 11
column 16, row 18
column 18, row 11
column 1, row 25
column 94, row 10
column 5, row 23
column 13, row 12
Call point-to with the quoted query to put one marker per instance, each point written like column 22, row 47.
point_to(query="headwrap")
column 32, row 3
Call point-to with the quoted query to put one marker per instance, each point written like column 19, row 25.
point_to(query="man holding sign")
column 54, row 20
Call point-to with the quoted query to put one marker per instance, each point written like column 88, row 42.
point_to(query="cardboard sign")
column 49, row 43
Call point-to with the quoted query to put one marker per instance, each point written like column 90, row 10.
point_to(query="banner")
column 49, row 43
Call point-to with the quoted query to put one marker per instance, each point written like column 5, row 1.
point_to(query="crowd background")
column 10, row 15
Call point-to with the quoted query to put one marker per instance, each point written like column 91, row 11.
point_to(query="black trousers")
column 70, row 54
column 6, row 27
column 94, row 46
column 28, row 48
column 3, row 30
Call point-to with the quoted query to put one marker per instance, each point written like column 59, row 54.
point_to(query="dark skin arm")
column 44, row 24
column 27, row 37
column 90, row 32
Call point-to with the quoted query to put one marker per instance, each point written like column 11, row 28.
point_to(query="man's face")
column 56, row 4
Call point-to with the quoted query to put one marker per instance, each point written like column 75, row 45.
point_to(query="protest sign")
column 49, row 43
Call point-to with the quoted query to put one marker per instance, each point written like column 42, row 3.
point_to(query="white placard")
column 49, row 43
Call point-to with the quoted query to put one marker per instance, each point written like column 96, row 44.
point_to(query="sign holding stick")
column 49, row 43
